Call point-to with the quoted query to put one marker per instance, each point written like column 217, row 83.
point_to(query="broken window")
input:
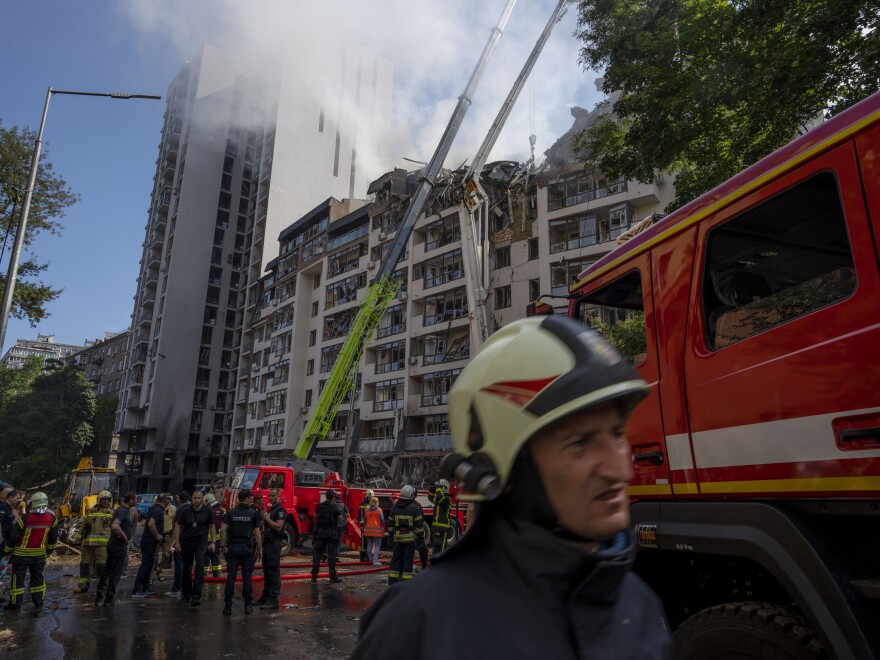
column 445, row 268
column 389, row 395
column 442, row 232
column 276, row 402
column 565, row 273
column 328, row 357
column 502, row 297
column 339, row 324
column 345, row 260
column 573, row 232
column 390, row 357
column 436, row 386
column 502, row 256
column 344, row 291
column 393, row 321
column 445, row 306
column 449, row 347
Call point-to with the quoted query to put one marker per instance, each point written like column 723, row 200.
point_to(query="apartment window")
column 393, row 321
column 195, row 424
column 388, row 221
column 338, row 325
column 500, row 222
column 316, row 280
column 447, row 347
column 579, row 187
column 314, row 309
column 390, row 357
column 565, row 273
column 533, row 248
column 281, row 372
column 328, row 357
column 223, row 219
column 274, row 431
column 345, row 260
column 573, row 232
column 445, row 306
column 310, row 367
column 282, row 343
column 436, row 386
column 534, row 290
column 442, row 232
column 252, row 409
column 502, row 256
column 312, row 337
column 228, row 162
column 308, row 399
column 283, row 317
column 502, row 297
column 226, row 182
column 389, row 395
column 445, row 268
column 344, row 291
column 276, row 402
column 777, row 262
column 618, row 222
column 287, row 264
column 225, row 200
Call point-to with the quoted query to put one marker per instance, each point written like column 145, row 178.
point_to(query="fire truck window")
column 617, row 311
column 779, row 261
column 272, row 480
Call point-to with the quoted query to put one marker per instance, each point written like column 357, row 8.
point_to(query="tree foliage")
column 51, row 197
column 105, row 421
column 704, row 88
column 43, row 431
column 627, row 336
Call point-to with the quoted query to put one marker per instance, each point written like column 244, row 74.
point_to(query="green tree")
column 17, row 382
column 704, row 88
column 44, row 430
column 51, row 197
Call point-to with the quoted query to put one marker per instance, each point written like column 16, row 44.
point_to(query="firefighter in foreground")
column 441, row 523
column 95, row 535
column 538, row 425
column 240, row 532
column 32, row 539
column 406, row 531
column 328, row 517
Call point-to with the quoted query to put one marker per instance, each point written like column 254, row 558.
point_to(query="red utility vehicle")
column 301, row 491
column 757, row 453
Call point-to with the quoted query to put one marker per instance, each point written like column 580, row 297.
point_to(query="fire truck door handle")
column 652, row 457
column 850, row 435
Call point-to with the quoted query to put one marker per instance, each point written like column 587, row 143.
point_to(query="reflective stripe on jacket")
column 34, row 534
column 98, row 526
column 405, row 521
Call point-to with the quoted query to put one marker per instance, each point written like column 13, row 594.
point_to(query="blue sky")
column 106, row 148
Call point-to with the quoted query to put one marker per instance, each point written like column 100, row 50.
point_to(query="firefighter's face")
column 585, row 464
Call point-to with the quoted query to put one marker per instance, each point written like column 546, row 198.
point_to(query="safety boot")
column 269, row 605
column 227, row 609
column 248, row 608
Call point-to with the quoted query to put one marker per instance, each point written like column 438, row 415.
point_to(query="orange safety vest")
column 374, row 523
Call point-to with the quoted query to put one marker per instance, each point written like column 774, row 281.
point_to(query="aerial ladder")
column 474, row 217
column 384, row 288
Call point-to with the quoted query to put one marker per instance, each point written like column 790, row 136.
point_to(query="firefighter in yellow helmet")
column 95, row 535
column 33, row 538
column 538, row 422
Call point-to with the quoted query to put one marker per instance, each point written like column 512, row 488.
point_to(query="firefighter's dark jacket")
column 511, row 589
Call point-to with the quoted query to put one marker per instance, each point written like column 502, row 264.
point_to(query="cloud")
column 432, row 46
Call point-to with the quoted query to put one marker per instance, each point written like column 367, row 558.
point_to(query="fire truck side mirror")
column 539, row 308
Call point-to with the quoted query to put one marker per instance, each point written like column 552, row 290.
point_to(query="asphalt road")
column 315, row 621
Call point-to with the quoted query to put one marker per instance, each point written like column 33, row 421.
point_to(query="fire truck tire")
column 291, row 540
column 747, row 631
column 454, row 532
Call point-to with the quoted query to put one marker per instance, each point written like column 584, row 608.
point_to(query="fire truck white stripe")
column 678, row 448
column 801, row 439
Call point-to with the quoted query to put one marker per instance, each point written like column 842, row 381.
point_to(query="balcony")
column 355, row 234
column 144, row 320
column 148, row 298
column 150, row 280
column 163, row 199
column 428, row 442
column 376, row 445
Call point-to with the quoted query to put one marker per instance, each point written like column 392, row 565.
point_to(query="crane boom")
column 384, row 288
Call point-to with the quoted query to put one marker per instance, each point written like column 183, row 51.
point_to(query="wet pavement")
column 315, row 621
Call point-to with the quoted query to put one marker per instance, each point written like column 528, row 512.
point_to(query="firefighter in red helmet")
column 32, row 540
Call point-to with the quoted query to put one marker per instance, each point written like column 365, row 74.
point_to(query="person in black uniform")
column 328, row 518
column 538, row 423
column 117, row 550
column 192, row 523
column 405, row 529
column 275, row 519
column 239, row 533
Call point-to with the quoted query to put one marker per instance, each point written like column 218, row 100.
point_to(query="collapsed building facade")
column 544, row 227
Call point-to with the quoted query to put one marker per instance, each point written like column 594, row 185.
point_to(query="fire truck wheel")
column 454, row 532
column 747, row 631
column 291, row 540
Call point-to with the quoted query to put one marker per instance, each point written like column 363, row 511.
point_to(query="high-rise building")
column 240, row 156
column 43, row 347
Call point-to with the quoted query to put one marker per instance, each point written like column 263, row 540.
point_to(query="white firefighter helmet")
column 528, row 375
column 369, row 493
column 407, row 492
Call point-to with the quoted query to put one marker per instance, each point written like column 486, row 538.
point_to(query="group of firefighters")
column 35, row 535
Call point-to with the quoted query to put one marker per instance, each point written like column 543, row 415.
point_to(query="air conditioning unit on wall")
column 413, row 359
column 383, row 235
column 371, row 265
column 304, row 410
column 401, row 295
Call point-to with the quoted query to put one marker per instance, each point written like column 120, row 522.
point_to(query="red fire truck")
column 302, row 490
column 757, row 453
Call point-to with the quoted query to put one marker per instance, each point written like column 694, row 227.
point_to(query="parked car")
column 144, row 502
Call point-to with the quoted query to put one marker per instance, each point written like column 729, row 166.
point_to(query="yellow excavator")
column 84, row 483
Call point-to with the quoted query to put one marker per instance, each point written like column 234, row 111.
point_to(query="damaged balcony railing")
column 428, row 442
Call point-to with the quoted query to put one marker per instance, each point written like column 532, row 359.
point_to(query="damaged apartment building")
column 544, row 227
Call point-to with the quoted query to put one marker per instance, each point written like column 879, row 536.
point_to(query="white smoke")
column 433, row 47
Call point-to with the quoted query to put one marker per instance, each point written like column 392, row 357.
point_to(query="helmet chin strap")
column 527, row 499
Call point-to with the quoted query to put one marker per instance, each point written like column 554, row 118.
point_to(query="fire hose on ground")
column 307, row 576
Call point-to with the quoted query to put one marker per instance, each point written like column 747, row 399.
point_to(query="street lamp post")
column 29, row 193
